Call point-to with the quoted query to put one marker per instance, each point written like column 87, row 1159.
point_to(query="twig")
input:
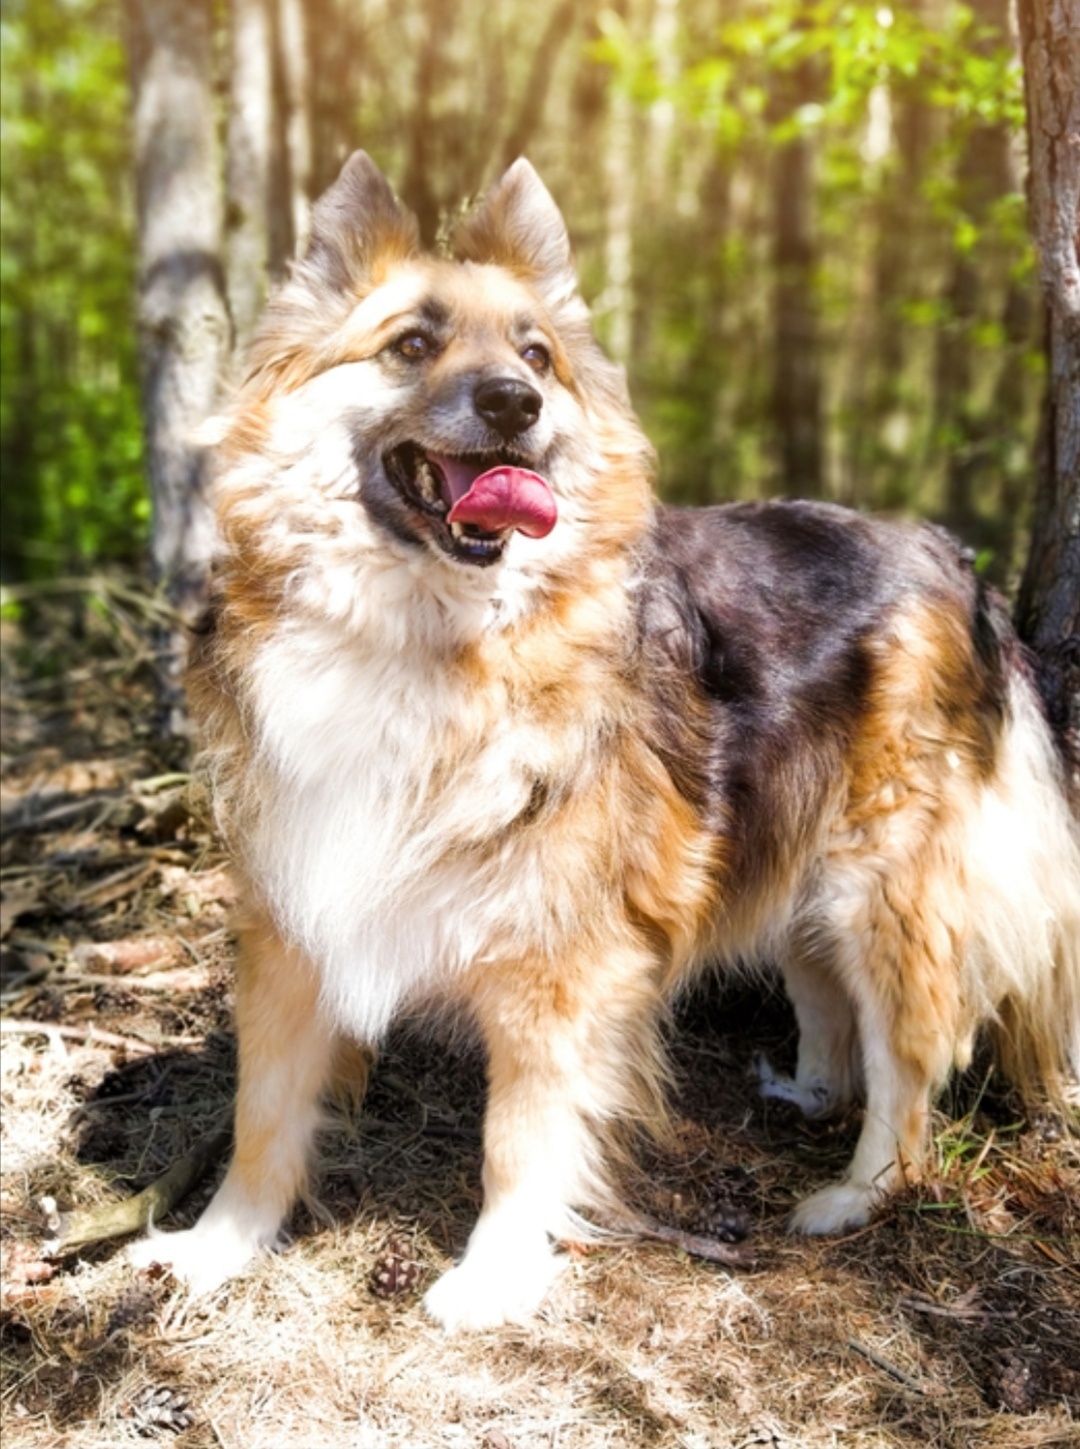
column 92, row 1036
column 969, row 1313
column 86, row 1226
column 646, row 1230
column 886, row 1366
column 182, row 978
column 736, row 1255
column 21, row 820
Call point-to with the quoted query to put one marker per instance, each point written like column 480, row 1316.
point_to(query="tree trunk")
column 1048, row 611
column 880, row 436
column 296, row 97
column 797, row 374
column 418, row 188
column 183, row 320
column 616, row 303
column 335, row 37
column 248, row 161
column 983, row 177
column 538, row 82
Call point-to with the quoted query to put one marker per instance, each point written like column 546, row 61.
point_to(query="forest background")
column 801, row 226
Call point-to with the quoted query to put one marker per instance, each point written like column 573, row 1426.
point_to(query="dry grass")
column 952, row 1321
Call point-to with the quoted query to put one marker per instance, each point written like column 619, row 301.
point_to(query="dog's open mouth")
column 475, row 501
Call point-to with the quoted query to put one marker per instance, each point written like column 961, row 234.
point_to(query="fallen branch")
column 634, row 1226
column 93, row 1035
column 736, row 1255
column 86, row 1226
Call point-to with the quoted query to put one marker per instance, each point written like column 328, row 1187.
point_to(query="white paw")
column 485, row 1290
column 813, row 1099
column 201, row 1258
column 837, row 1207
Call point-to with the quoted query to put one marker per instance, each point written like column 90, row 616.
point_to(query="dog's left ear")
column 518, row 226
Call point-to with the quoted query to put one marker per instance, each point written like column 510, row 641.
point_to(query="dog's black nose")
column 508, row 405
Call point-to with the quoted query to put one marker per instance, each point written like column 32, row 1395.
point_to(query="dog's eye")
column 414, row 346
column 538, row 358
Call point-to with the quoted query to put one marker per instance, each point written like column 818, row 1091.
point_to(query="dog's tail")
column 1023, row 858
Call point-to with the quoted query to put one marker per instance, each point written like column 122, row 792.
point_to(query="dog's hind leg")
column 285, row 1057
column 826, row 1073
column 899, row 961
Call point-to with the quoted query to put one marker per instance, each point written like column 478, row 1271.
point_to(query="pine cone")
column 723, row 1220
column 726, row 1214
column 135, row 1305
column 158, row 1407
column 1017, row 1388
column 396, row 1270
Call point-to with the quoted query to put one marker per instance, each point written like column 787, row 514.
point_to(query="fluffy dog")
column 492, row 733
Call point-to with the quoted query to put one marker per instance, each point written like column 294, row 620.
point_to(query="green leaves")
column 70, row 433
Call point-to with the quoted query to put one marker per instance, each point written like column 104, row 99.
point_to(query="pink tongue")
column 503, row 497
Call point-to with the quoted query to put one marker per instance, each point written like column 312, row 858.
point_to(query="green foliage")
column 914, row 271
column 69, row 418
column 907, row 115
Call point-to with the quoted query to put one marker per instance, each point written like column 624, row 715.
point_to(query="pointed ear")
column 356, row 225
column 518, row 226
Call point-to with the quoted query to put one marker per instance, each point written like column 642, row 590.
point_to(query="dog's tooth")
column 425, row 478
column 458, row 530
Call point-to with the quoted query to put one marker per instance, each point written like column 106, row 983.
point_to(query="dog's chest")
column 388, row 789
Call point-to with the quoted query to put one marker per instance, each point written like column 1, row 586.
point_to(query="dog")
column 493, row 734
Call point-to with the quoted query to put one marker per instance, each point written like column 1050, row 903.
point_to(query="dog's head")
column 458, row 405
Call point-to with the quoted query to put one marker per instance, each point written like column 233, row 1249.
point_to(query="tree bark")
column 335, row 38
column 296, row 107
column 183, row 321
column 797, row 375
column 1048, row 611
column 538, row 82
column 418, row 189
column 983, row 176
column 249, row 147
column 616, row 302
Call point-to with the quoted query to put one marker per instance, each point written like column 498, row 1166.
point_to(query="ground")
column 953, row 1320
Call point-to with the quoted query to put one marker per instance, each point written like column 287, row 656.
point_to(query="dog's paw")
column 484, row 1291
column 201, row 1259
column 813, row 1099
column 836, row 1208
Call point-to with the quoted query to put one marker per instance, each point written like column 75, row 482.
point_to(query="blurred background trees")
column 801, row 224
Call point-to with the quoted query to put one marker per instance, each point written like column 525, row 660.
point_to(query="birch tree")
column 182, row 316
column 248, row 160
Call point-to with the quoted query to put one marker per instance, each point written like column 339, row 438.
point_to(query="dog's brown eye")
column 415, row 346
column 538, row 358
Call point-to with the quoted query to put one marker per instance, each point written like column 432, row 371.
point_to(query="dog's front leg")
column 553, row 1071
column 285, row 1056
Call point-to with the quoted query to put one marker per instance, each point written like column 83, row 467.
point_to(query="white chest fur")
column 386, row 787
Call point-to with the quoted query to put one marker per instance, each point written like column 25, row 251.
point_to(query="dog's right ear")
column 358, row 228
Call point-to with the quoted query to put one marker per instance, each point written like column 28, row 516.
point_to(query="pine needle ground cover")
column 953, row 1321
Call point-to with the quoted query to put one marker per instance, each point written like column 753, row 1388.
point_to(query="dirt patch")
column 954, row 1320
